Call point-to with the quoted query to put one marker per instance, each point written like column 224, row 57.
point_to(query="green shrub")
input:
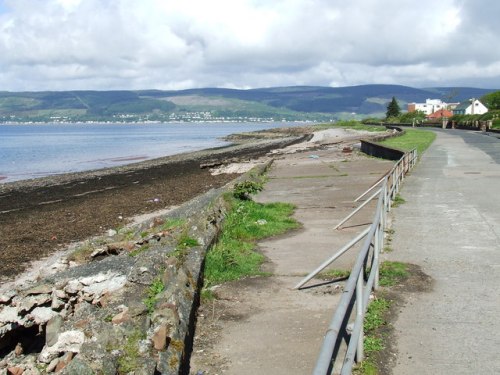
column 243, row 190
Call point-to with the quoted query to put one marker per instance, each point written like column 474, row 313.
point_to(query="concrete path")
column 450, row 226
column 261, row 325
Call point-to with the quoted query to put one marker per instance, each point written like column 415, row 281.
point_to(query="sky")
column 179, row 44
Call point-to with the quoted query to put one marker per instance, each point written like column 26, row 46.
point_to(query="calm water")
column 30, row 151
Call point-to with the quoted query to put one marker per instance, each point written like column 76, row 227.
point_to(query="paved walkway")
column 450, row 226
column 261, row 325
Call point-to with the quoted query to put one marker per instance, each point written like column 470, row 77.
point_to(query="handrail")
column 357, row 290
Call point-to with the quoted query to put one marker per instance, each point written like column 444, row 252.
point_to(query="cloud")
column 170, row 44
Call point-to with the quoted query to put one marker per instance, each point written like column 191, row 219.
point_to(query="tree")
column 491, row 100
column 393, row 109
column 410, row 117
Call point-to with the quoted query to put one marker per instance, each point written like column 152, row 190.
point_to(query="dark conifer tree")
column 393, row 109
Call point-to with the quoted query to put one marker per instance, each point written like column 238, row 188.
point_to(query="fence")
column 359, row 286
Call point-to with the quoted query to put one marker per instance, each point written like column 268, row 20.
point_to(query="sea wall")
column 372, row 148
column 129, row 307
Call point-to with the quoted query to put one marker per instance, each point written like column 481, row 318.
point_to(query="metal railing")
column 359, row 286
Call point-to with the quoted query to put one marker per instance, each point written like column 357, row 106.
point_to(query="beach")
column 40, row 216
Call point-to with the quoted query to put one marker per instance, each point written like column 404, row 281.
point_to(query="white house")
column 470, row 107
column 430, row 106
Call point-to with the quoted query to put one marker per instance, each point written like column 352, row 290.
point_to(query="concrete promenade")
column 450, row 226
column 261, row 325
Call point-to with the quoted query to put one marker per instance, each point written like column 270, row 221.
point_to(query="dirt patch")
column 417, row 282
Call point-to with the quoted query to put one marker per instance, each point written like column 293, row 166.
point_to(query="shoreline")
column 41, row 216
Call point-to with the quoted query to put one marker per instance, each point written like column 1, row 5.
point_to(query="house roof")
column 440, row 113
column 462, row 106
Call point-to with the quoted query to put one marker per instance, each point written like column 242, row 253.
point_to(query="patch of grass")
column 139, row 250
column 81, row 254
column 413, row 138
column 172, row 223
column 233, row 256
column 373, row 343
column 335, row 274
column 154, row 289
column 128, row 362
column 392, row 273
column 207, row 295
column 398, row 201
column 366, row 368
column 186, row 242
column 374, row 316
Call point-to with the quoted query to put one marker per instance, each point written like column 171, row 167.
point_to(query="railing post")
column 359, row 315
column 376, row 252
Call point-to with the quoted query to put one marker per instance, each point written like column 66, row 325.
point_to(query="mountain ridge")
column 284, row 102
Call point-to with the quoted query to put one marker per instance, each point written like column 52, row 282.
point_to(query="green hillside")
column 211, row 104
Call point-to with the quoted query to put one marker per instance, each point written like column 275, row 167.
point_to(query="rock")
column 52, row 365
column 64, row 361
column 15, row 370
column 166, row 312
column 18, row 350
column 6, row 296
column 106, row 286
column 28, row 303
column 57, row 304
column 118, row 247
column 121, row 317
column 52, row 330
column 69, row 341
column 42, row 315
column 6, row 328
column 59, row 293
column 9, row 314
column 161, row 337
column 111, row 232
column 78, row 367
column 73, row 287
column 39, row 289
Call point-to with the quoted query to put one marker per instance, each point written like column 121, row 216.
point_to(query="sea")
column 41, row 150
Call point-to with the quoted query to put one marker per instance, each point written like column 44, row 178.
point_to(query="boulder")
column 68, row 341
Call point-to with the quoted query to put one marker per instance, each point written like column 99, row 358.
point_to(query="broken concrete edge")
column 121, row 313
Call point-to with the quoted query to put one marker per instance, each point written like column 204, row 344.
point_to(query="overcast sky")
column 177, row 44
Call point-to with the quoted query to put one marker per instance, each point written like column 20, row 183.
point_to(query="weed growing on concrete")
column 374, row 319
column 243, row 190
column 398, row 201
column 154, row 289
column 233, row 256
column 172, row 223
column 335, row 274
column 139, row 250
column 392, row 273
column 186, row 242
column 128, row 362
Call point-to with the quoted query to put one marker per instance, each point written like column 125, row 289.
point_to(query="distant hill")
column 290, row 103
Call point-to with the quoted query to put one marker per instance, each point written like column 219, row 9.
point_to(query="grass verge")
column 376, row 317
column 413, row 138
column 234, row 255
